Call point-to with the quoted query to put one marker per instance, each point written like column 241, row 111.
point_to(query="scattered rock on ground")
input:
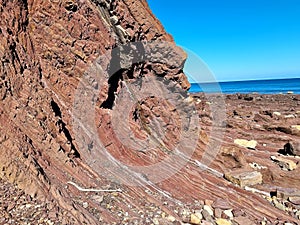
column 244, row 178
column 284, row 164
column 195, row 219
column 245, row 143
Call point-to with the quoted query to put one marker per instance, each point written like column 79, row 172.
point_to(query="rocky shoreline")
column 54, row 55
column 256, row 130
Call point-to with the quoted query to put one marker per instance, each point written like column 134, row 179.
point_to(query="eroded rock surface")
column 48, row 47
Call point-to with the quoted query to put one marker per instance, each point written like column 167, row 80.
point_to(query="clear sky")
column 237, row 39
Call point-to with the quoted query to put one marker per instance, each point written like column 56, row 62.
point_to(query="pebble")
column 298, row 215
column 277, row 113
column 208, row 202
column 207, row 216
column 195, row 219
column 85, row 205
column 98, row 198
column 228, row 213
column 208, row 209
column 171, row 219
column 218, row 213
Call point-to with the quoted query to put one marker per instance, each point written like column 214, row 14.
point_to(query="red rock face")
column 51, row 56
column 45, row 49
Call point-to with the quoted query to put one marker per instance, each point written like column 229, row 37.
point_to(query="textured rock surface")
column 244, row 178
column 46, row 47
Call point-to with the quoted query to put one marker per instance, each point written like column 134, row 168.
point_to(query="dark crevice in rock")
column 56, row 109
column 115, row 74
column 40, row 170
column 63, row 129
column 71, row 6
column 15, row 58
column 26, row 22
column 66, row 132
column 113, row 83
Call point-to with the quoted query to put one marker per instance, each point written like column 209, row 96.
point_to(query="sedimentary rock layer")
column 52, row 56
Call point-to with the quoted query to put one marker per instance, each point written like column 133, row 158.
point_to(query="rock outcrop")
column 46, row 47
column 96, row 124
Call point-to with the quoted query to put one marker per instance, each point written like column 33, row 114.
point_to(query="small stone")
column 298, row 215
column 218, row 213
column 297, row 127
column 228, row 213
column 290, row 116
column 98, row 198
column 85, row 205
column 114, row 20
column 208, row 209
column 195, row 219
column 277, row 113
column 207, row 216
column 171, row 218
column 221, row 221
column 245, row 143
column 208, row 202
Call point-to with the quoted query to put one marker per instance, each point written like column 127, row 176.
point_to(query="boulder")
column 244, row 178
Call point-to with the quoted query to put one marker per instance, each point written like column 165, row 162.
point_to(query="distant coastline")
column 266, row 86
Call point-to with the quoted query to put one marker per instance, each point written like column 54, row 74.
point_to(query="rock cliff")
column 67, row 134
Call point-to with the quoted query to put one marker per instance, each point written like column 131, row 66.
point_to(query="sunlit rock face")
column 93, row 98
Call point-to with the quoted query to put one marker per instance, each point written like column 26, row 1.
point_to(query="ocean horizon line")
column 247, row 80
column 266, row 86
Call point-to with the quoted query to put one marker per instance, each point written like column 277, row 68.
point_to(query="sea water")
column 276, row 86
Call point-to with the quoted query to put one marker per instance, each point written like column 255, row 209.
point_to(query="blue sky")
column 237, row 39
